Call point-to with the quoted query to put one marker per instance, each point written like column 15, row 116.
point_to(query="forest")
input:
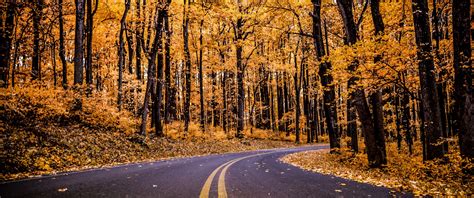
column 373, row 78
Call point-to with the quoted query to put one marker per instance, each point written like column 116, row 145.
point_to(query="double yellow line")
column 221, row 191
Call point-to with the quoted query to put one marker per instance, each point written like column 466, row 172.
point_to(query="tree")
column 62, row 50
column 121, row 54
column 89, row 29
column 37, row 13
column 78, row 43
column 151, row 56
column 187, row 62
column 168, row 92
column 329, row 103
column 375, row 155
column 376, row 98
column 431, row 109
column 201, row 87
column 463, row 100
column 6, row 35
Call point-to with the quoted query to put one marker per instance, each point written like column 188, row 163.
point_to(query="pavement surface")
column 246, row 174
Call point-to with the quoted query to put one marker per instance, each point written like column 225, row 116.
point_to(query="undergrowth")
column 403, row 172
column 45, row 131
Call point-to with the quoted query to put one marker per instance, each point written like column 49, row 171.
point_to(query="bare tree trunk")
column 187, row 60
column 376, row 155
column 240, row 81
column 376, row 97
column 138, row 47
column 6, row 36
column 62, row 50
column 35, row 68
column 329, row 93
column 89, row 33
column 78, row 43
column 121, row 53
column 159, row 83
column 201, row 89
column 167, row 66
column 463, row 105
column 429, row 94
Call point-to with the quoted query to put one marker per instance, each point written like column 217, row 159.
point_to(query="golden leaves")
column 403, row 172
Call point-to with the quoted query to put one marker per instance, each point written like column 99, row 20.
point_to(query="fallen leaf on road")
column 62, row 190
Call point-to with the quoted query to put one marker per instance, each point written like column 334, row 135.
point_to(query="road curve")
column 245, row 174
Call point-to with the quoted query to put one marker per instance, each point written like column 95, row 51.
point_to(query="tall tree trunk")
column 440, row 85
column 224, row 101
column 463, row 105
column 376, row 156
column 62, row 50
column 329, row 99
column 35, row 68
column 78, row 43
column 201, row 88
column 130, row 47
column 6, row 35
column 138, row 47
column 121, row 53
column 89, row 29
column 187, row 60
column 159, row 82
column 151, row 77
column 167, row 66
column 376, row 97
column 297, row 97
column 240, row 79
column 429, row 94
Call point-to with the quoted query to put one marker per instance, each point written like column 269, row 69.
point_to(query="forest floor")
column 44, row 132
column 403, row 172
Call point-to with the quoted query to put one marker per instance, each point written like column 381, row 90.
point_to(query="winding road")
column 245, row 174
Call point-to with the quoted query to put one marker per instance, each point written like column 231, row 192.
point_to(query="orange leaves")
column 403, row 172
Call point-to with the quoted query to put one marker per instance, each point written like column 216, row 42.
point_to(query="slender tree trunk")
column 429, row 94
column 53, row 59
column 187, row 60
column 62, row 50
column 376, row 155
column 329, row 99
column 376, row 97
column 463, row 87
column 6, row 36
column 121, row 53
column 89, row 29
column 167, row 66
column 201, row 89
column 240, row 80
column 35, row 68
column 159, row 83
column 224, row 98
column 130, row 48
column 138, row 47
column 151, row 77
column 78, row 43
column 297, row 98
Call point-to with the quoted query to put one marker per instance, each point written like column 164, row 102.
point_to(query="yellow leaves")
column 42, row 164
column 403, row 172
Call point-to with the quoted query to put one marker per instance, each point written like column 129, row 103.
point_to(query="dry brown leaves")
column 403, row 172
column 42, row 134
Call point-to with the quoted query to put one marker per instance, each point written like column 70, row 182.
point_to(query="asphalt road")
column 246, row 174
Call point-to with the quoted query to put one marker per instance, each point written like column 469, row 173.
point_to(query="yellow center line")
column 207, row 185
column 221, row 190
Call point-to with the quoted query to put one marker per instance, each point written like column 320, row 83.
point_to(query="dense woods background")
column 371, row 72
